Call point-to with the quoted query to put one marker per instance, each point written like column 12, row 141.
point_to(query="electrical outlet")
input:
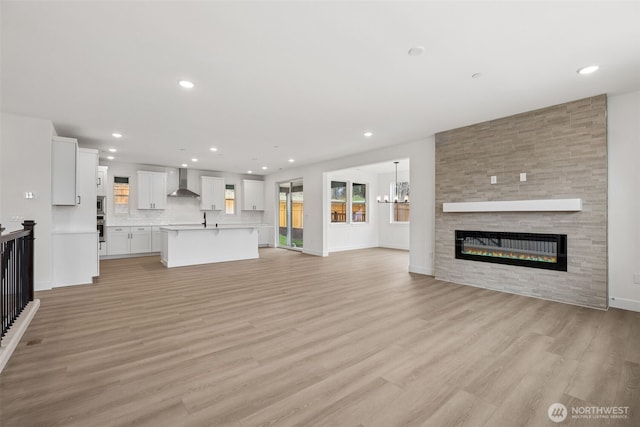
column 494, row 179
column 523, row 177
column 636, row 278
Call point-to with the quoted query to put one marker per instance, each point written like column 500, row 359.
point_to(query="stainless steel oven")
column 100, row 222
column 101, row 205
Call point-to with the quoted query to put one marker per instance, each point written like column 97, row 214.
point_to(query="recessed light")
column 587, row 70
column 116, row 135
column 110, row 157
column 291, row 160
column 213, row 149
column 194, row 160
column 264, row 168
column 184, row 165
column 416, row 50
column 249, row 171
column 113, row 150
column 368, row 134
column 186, row 84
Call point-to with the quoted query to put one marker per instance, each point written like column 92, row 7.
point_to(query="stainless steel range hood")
column 182, row 190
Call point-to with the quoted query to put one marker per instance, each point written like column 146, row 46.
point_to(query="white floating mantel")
column 547, row 205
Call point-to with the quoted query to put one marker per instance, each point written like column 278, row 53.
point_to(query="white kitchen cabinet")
column 64, row 155
column 140, row 241
column 75, row 257
column 118, row 240
column 102, row 180
column 102, row 248
column 252, row 195
column 128, row 240
column 74, row 228
column 152, row 190
column 211, row 193
column 80, row 216
column 156, row 239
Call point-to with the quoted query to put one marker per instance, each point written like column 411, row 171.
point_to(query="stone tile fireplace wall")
column 563, row 151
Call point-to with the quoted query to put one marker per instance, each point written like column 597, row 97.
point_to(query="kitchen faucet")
column 205, row 220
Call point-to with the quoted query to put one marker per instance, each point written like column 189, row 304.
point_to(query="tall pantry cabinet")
column 75, row 235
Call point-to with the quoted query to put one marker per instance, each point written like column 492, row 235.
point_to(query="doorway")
column 291, row 208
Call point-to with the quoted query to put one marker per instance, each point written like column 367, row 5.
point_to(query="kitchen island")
column 194, row 244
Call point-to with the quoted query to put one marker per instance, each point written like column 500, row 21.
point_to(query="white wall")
column 348, row 236
column 25, row 165
column 179, row 210
column 624, row 200
column 316, row 201
column 391, row 235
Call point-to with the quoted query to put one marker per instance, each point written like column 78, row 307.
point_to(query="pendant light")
column 394, row 197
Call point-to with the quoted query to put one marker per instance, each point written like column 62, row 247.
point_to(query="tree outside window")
column 338, row 201
column 358, row 202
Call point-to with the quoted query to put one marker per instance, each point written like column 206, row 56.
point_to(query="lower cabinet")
column 102, row 248
column 118, row 240
column 128, row 240
column 75, row 261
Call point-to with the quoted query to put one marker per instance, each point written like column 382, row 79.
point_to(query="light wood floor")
column 291, row 339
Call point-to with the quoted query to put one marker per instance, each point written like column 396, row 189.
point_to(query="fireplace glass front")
column 548, row 251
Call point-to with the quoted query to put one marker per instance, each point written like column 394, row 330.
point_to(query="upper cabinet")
column 152, row 190
column 64, row 155
column 211, row 193
column 102, row 180
column 252, row 195
column 80, row 217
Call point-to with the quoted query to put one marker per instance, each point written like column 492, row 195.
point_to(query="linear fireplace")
column 547, row 251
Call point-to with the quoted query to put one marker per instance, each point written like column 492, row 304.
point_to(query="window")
column 400, row 211
column 347, row 197
column 338, row 201
column 121, row 195
column 358, row 202
column 230, row 199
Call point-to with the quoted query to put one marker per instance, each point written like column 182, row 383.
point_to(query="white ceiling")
column 302, row 80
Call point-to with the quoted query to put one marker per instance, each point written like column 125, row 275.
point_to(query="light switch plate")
column 636, row 278
column 523, row 177
column 494, row 179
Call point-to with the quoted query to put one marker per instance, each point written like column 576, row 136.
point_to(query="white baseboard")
column 420, row 270
column 353, row 247
column 312, row 252
column 43, row 286
column 403, row 248
column 17, row 330
column 624, row 303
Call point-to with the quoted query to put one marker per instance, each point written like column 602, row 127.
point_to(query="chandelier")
column 395, row 195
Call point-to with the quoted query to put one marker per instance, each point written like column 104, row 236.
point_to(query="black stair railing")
column 16, row 266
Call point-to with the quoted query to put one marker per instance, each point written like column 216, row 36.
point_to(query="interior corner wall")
column 25, row 165
column 563, row 151
column 624, row 201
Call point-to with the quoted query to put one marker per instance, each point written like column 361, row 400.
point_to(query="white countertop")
column 195, row 225
column 208, row 228
column 90, row 231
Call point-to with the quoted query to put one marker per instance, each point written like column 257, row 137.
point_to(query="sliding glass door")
column 290, row 231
